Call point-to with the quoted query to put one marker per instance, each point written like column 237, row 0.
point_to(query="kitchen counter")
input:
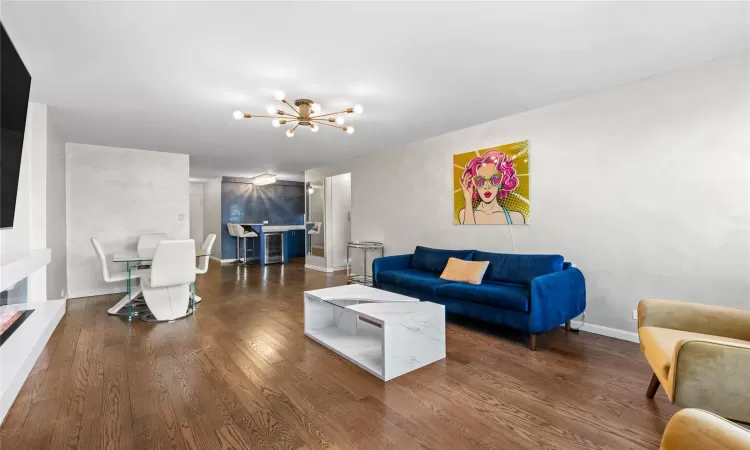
column 272, row 228
column 292, row 241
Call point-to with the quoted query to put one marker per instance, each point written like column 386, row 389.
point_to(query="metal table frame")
column 364, row 279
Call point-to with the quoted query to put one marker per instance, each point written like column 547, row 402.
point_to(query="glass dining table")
column 135, row 259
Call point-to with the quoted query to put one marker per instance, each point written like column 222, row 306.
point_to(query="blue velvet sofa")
column 531, row 293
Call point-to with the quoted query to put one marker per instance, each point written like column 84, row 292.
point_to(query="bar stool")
column 232, row 229
column 244, row 234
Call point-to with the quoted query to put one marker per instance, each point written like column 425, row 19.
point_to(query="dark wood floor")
column 240, row 374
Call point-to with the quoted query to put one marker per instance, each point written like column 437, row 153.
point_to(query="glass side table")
column 364, row 247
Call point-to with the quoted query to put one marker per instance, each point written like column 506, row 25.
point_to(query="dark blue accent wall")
column 281, row 203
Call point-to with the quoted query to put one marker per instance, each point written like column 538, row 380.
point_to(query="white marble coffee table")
column 384, row 333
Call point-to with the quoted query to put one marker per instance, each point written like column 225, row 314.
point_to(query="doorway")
column 341, row 201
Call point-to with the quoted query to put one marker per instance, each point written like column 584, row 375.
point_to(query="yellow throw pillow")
column 464, row 271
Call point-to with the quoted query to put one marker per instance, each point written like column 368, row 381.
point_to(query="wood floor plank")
column 116, row 430
column 240, row 374
column 154, row 420
column 93, row 401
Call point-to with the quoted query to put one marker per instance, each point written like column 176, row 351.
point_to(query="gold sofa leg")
column 532, row 341
column 653, row 386
column 567, row 325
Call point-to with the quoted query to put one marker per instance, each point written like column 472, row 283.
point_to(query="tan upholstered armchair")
column 694, row 429
column 700, row 354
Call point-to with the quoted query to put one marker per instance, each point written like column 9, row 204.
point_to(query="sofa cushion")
column 416, row 280
column 513, row 297
column 519, row 269
column 658, row 346
column 462, row 271
column 434, row 260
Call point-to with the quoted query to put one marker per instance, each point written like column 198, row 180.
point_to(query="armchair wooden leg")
column 653, row 386
column 567, row 325
column 532, row 341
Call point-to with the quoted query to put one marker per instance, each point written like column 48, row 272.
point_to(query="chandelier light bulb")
column 279, row 95
column 289, row 133
column 238, row 115
column 349, row 130
column 340, row 120
column 276, row 123
column 316, row 108
column 314, row 127
column 358, row 109
column 271, row 110
column 310, row 190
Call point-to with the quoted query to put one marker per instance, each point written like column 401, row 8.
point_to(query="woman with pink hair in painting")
column 488, row 178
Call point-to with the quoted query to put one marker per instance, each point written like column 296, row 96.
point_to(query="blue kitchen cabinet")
column 297, row 243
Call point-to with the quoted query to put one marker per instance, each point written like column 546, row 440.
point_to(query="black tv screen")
column 15, row 82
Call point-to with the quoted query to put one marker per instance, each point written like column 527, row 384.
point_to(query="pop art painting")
column 491, row 186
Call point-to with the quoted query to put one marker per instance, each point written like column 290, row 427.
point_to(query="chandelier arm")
column 327, row 124
column 286, row 114
column 290, row 105
column 295, row 127
column 328, row 114
column 252, row 116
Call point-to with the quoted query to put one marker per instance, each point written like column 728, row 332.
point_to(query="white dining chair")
column 112, row 277
column 167, row 288
column 147, row 244
column 202, row 268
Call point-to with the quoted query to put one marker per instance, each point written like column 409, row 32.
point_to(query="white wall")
column 29, row 225
column 115, row 194
column 196, row 212
column 55, row 214
column 644, row 186
column 212, row 213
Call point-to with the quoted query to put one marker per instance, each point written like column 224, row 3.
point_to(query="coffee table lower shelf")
column 364, row 349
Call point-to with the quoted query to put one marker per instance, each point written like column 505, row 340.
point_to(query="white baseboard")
column 318, row 268
column 606, row 331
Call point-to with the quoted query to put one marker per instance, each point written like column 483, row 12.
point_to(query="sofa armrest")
column 697, row 318
column 694, row 429
column 556, row 298
column 712, row 375
column 396, row 262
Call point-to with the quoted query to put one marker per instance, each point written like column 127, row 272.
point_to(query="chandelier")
column 306, row 114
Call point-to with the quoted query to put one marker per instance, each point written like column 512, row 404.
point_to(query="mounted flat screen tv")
column 15, row 83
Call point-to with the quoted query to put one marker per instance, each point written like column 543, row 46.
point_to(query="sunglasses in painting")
column 495, row 179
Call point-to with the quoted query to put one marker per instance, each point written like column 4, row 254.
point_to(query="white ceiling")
column 166, row 76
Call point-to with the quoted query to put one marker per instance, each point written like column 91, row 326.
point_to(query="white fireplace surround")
column 21, row 350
